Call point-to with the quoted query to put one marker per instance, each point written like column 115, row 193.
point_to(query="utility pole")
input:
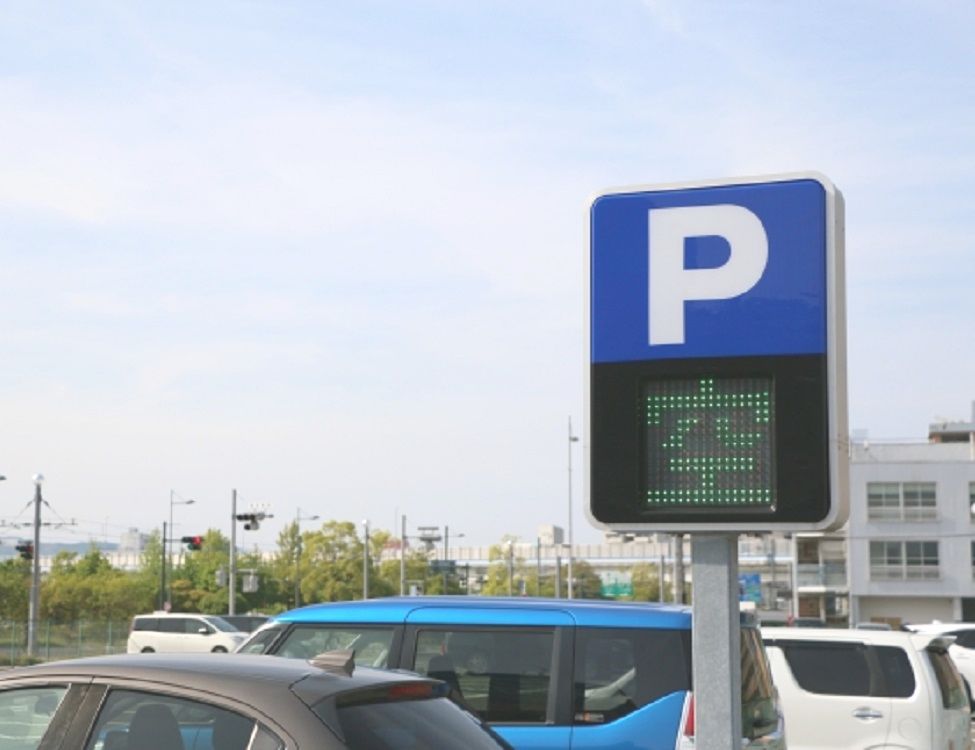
column 232, row 579
column 365, row 560
column 252, row 522
column 297, row 565
column 162, row 571
column 572, row 439
column 558, row 573
column 446, row 537
column 538, row 568
column 402, row 557
column 679, row 569
column 35, row 581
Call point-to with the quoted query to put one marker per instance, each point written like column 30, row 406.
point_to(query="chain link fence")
column 56, row 640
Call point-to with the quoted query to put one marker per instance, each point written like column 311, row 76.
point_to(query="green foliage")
column 327, row 563
column 194, row 579
column 646, row 582
column 332, row 563
column 588, row 584
column 497, row 577
column 90, row 588
column 14, row 589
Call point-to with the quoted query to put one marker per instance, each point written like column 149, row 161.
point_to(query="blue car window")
column 371, row 645
column 504, row 676
column 618, row 670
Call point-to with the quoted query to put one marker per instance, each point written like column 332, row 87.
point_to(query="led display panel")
column 709, row 442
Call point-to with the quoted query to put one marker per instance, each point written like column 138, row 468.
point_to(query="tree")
column 380, row 584
column 505, row 572
column 587, row 584
column 196, row 588
column 150, row 571
column 194, row 579
column 14, row 589
column 89, row 588
column 646, row 582
column 287, row 567
column 388, row 571
column 333, row 556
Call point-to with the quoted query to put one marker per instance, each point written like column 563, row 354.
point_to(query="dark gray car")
column 229, row 702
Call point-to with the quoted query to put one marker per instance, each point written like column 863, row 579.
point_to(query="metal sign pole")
column 716, row 645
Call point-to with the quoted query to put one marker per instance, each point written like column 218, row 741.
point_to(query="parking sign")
column 717, row 369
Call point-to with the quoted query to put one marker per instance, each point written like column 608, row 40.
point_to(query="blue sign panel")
column 732, row 270
column 750, row 587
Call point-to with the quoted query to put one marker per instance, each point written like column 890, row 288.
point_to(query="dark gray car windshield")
column 220, row 624
column 436, row 724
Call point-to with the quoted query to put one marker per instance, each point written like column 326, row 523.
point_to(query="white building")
column 912, row 528
column 133, row 541
column 907, row 553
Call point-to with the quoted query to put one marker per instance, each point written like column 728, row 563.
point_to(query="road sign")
column 443, row 566
column 718, row 357
column 750, row 587
column 615, row 584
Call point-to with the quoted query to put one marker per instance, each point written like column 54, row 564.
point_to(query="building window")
column 901, row 501
column 971, row 499
column 904, row 561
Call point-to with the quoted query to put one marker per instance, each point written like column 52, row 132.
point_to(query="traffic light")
column 26, row 550
column 192, row 542
column 252, row 521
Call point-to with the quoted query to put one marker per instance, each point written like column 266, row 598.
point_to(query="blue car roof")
column 474, row 610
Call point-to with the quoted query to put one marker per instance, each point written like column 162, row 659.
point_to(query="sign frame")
column 835, row 482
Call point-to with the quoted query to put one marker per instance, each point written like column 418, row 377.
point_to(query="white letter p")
column 671, row 285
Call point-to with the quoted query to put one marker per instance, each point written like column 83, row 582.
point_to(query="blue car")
column 546, row 674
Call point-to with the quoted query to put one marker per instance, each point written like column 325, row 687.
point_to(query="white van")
column 868, row 688
column 168, row 632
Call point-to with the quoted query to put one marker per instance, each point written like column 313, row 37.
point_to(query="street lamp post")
column 402, row 557
column 232, row 563
column 162, row 569
column 365, row 560
column 572, row 439
column 168, row 543
column 538, row 566
column 35, row 579
column 298, row 519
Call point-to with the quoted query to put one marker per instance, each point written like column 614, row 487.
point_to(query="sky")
column 333, row 256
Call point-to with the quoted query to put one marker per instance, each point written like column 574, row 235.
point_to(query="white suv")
column 178, row 632
column 868, row 688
